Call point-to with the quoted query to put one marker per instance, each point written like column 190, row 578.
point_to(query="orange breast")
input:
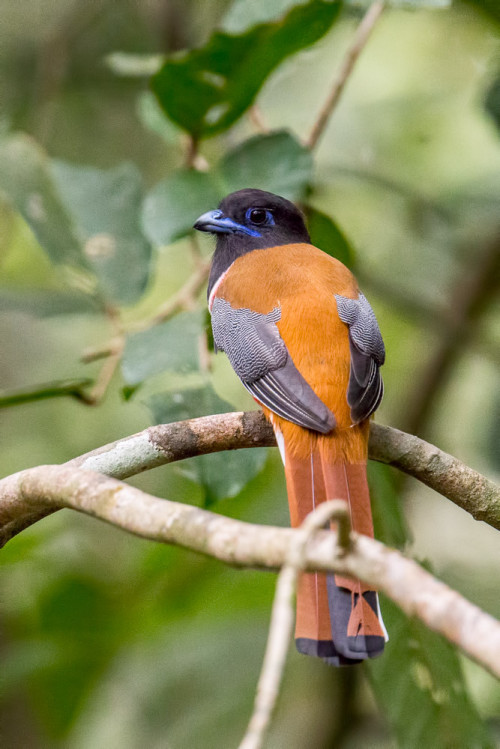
column 302, row 280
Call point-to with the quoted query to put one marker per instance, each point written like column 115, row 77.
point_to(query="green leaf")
column 326, row 235
column 242, row 15
column 409, row 4
column 221, row 474
column 420, row 685
column 153, row 118
column 26, row 180
column 106, row 208
column 45, row 302
column 82, row 217
column 388, row 518
column 173, row 345
column 174, row 204
column 492, row 102
column 490, row 8
column 206, row 90
column 275, row 162
column 73, row 619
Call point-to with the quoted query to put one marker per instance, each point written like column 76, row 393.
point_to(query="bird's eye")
column 259, row 216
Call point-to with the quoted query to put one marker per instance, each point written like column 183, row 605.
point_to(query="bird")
column 304, row 341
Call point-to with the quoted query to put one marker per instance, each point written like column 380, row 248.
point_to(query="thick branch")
column 168, row 443
column 413, row 589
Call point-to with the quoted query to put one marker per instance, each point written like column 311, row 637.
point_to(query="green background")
column 107, row 640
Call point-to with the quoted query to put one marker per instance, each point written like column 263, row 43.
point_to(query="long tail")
column 338, row 619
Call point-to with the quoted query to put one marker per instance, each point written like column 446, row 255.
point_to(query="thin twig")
column 358, row 43
column 108, row 369
column 257, row 119
column 76, row 388
column 94, row 353
column 185, row 298
column 282, row 618
column 413, row 589
column 194, row 159
column 191, row 151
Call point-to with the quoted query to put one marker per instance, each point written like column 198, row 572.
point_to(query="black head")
column 250, row 220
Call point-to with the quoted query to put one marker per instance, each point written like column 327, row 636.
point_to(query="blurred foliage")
column 206, row 90
column 276, row 162
column 119, row 125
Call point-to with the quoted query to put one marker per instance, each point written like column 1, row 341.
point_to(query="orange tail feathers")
column 338, row 618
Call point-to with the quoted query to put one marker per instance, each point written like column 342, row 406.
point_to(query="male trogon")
column 304, row 341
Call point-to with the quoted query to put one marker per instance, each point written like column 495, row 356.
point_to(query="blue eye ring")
column 259, row 217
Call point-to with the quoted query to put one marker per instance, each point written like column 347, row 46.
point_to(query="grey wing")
column 261, row 360
column 365, row 389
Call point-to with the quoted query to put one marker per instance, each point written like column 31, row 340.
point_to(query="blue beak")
column 216, row 223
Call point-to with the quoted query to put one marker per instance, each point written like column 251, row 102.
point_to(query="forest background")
column 109, row 640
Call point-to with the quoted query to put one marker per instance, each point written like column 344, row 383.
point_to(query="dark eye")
column 259, row 216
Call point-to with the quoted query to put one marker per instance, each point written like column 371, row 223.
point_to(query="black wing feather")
column 287, row 394
column 261, row 360
column 365, row 389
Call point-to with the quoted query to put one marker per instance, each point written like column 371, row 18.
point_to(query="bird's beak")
column 216, row 223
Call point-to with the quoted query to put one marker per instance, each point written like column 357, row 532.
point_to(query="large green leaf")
column 174, row 204
column 275, row 162
column 153, row 118
column 106, row 209
column 172, row 345
column 206, row 90
column 82, row 217
column 326, row 235
column 388, row 519
column 46, row 302
column 26, row 180
column 241, row 14
column 490, row 8
column 410, row 4
column 492, row 101
column 419, row 683
column 221, row 474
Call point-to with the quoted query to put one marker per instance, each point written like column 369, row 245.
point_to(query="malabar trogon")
column 304, row 341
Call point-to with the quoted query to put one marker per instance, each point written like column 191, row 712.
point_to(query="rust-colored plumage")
column 294, row 285
column 303, row 280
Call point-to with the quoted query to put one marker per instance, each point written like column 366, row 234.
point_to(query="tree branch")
column 185, row 298
column 358, row 43
column 413, row 589
column 76, row 388
column 168, row 443
column 282, row 616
